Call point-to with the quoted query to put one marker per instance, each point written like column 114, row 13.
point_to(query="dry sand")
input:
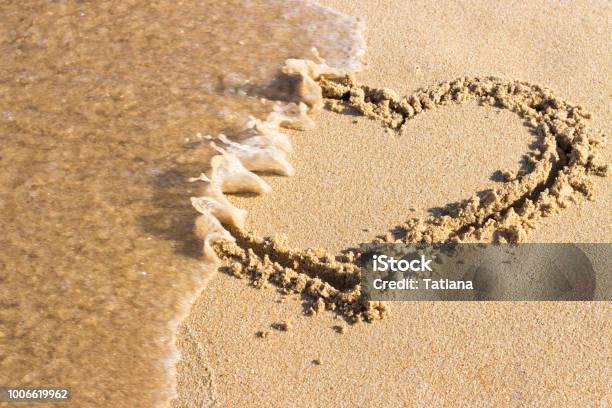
column 355, row 180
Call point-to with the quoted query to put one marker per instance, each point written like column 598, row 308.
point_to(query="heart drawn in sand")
column 562, row 166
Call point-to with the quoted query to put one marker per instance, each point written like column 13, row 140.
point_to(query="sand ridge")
column 560, row 167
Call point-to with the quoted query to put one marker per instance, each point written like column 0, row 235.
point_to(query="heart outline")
column 561, row 166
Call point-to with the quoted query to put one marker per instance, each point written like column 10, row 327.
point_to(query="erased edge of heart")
column 562, row 167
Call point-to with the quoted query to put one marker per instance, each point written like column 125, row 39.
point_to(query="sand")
column 104, row 112
column 102, row 105
column 421, row 354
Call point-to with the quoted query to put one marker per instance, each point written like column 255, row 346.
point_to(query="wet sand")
column 100, row 108
column 354, row 180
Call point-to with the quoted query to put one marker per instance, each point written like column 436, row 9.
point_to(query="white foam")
column 263, row 147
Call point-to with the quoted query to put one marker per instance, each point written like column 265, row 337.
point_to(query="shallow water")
column 100, row 107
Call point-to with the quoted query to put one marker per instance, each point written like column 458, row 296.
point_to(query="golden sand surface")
column 354, row 180
column 102, row 111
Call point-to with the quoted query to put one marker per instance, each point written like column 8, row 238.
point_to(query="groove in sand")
column 561, row 167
